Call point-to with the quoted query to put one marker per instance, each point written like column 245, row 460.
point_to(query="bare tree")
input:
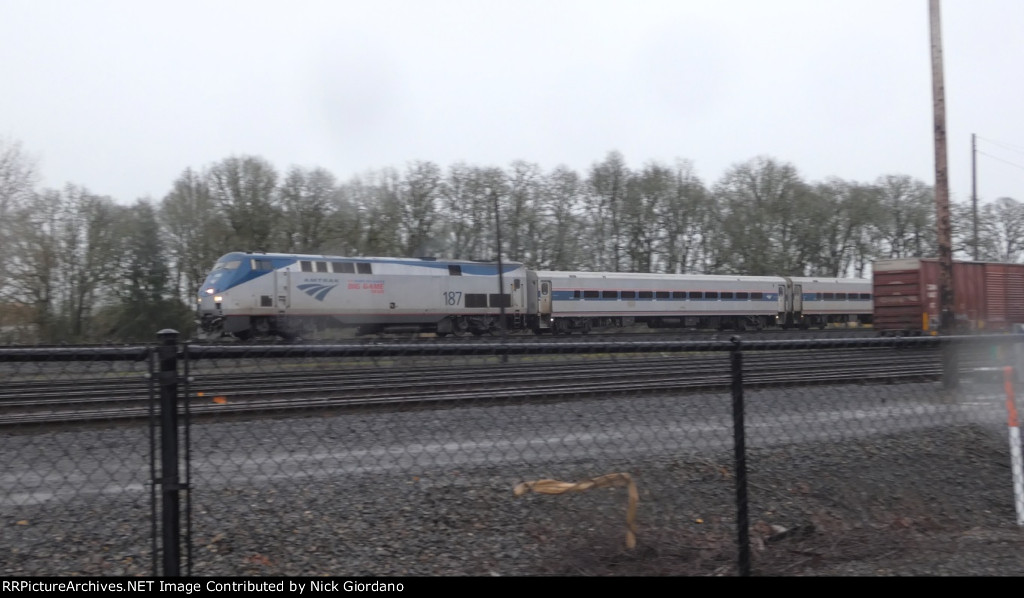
column 844, row 215
column 1001, row 230
column 376, row 208
column 33, row 261
column 244, row 191
column 307, row 202
column 685, row 217
column 197, row 232
column 645, row 190
column 90, row 244
column 761, row 203
column 521, row 211
column 465, row 206
column 562, row 225
column 418, row 196
column 905, row 225
column 17, row 178
column 607, row 185
column 146, row 300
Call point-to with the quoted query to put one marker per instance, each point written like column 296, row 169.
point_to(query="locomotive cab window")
column 229, row 265
column 262, row 265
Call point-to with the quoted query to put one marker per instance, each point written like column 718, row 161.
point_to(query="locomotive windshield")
column 221, row 268
column 227, row 265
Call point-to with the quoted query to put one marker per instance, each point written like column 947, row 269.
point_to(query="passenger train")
column 254, row 294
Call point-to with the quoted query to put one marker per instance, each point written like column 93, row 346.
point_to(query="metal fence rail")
column 719, row 457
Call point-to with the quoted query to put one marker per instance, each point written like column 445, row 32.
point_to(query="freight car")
column 988, row 296
column 290, row 295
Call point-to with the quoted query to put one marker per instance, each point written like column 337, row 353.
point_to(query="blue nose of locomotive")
column 227, row 273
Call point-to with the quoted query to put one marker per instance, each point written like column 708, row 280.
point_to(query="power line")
column 1014, row 164
column 1004, row 145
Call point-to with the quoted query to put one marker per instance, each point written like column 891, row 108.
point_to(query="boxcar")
column 988, row 296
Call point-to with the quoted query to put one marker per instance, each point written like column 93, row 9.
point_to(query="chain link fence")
column 549, row 456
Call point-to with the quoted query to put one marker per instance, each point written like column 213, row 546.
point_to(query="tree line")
column 82, row 267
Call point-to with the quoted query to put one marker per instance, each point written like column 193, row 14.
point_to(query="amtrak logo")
column 316, row 291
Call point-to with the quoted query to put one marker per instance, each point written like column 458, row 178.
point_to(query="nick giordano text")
column 195, row 587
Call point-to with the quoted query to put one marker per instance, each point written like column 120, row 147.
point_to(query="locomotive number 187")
column 452, row 297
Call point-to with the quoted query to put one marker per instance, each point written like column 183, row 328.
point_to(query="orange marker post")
column 1015, row 449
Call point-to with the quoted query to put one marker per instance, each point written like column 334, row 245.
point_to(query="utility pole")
column 501, row 277
column 941, row 176
column 974, row 191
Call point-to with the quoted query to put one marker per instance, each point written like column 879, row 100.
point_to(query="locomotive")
column 250, row 294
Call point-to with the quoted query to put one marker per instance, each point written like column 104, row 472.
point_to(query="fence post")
column 740, row 449
column 167, row 378
column 950, row 365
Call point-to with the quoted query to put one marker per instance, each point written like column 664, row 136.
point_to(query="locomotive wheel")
column 460, row 327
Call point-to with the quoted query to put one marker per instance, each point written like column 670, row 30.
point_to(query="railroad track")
column 308, row 384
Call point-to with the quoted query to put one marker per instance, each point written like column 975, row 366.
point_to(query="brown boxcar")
column 987, row 296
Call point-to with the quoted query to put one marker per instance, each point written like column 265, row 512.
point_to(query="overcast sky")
column 121, row 97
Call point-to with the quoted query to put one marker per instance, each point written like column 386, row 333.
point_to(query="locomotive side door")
column 784, row 302
column 282, row 297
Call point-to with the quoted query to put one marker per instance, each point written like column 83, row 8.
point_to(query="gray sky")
column 121, row 97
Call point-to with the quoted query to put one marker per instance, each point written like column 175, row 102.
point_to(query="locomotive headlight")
column 209, row 291
column 218, row 299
